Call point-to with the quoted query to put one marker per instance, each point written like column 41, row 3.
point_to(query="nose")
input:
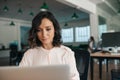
column 44, row 33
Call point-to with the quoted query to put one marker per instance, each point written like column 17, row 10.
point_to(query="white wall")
column 9, row 33
column 76, row 23
column 113, row 22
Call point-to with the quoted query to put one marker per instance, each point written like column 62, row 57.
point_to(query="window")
column 82, row 34
column 102, row 29
column 67, row 35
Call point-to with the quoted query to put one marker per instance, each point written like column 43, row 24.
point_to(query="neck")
column 48, row 47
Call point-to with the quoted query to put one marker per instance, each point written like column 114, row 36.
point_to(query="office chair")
column 82, row 62
column 115, row 74
column 13, row 54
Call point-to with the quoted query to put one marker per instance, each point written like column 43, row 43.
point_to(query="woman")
column 91, row 44
column 46, row 47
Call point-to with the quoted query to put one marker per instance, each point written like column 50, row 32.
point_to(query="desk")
column 100, row 56
column 4, row 53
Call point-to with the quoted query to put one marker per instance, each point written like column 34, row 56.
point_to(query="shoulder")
column 68, row 54
column 66, row 49
column 31, row 51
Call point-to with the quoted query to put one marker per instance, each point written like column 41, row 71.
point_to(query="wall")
column 112, row 21
column 10, row 34
column 76, row 23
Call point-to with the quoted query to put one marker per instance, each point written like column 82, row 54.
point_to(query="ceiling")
column 61, row 11
column 110, row 6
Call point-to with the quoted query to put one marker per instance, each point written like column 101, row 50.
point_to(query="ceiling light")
column 66, row 24
column 20, row 11
column 74, row 16
column 119, row 11
column 5, row 8
column 12, row 23
column 31, row 13
column 44, row 7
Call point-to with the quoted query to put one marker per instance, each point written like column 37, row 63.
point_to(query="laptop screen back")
column 55, row 72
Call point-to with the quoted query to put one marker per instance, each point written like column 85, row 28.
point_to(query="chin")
column 46, row 42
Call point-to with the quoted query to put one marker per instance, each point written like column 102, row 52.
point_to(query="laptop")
column 53, row 72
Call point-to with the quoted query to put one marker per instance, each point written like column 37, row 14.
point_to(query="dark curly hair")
column 36, row 22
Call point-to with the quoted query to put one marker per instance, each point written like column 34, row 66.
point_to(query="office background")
column 92, row 14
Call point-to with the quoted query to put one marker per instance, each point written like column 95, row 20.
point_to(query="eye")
column 38, row 30
column 48, row 29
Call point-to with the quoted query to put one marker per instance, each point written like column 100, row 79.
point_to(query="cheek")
column 53, row 34
column 38, row 35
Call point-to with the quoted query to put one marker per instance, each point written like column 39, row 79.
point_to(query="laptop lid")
column 54, row 72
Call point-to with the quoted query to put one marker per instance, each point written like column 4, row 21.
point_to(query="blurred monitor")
column 111, row 39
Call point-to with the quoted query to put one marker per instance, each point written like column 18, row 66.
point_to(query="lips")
column 44, row 39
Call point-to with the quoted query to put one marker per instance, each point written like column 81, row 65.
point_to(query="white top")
column 57, row 55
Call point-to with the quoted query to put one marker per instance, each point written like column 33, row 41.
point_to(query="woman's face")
column 46, row 32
